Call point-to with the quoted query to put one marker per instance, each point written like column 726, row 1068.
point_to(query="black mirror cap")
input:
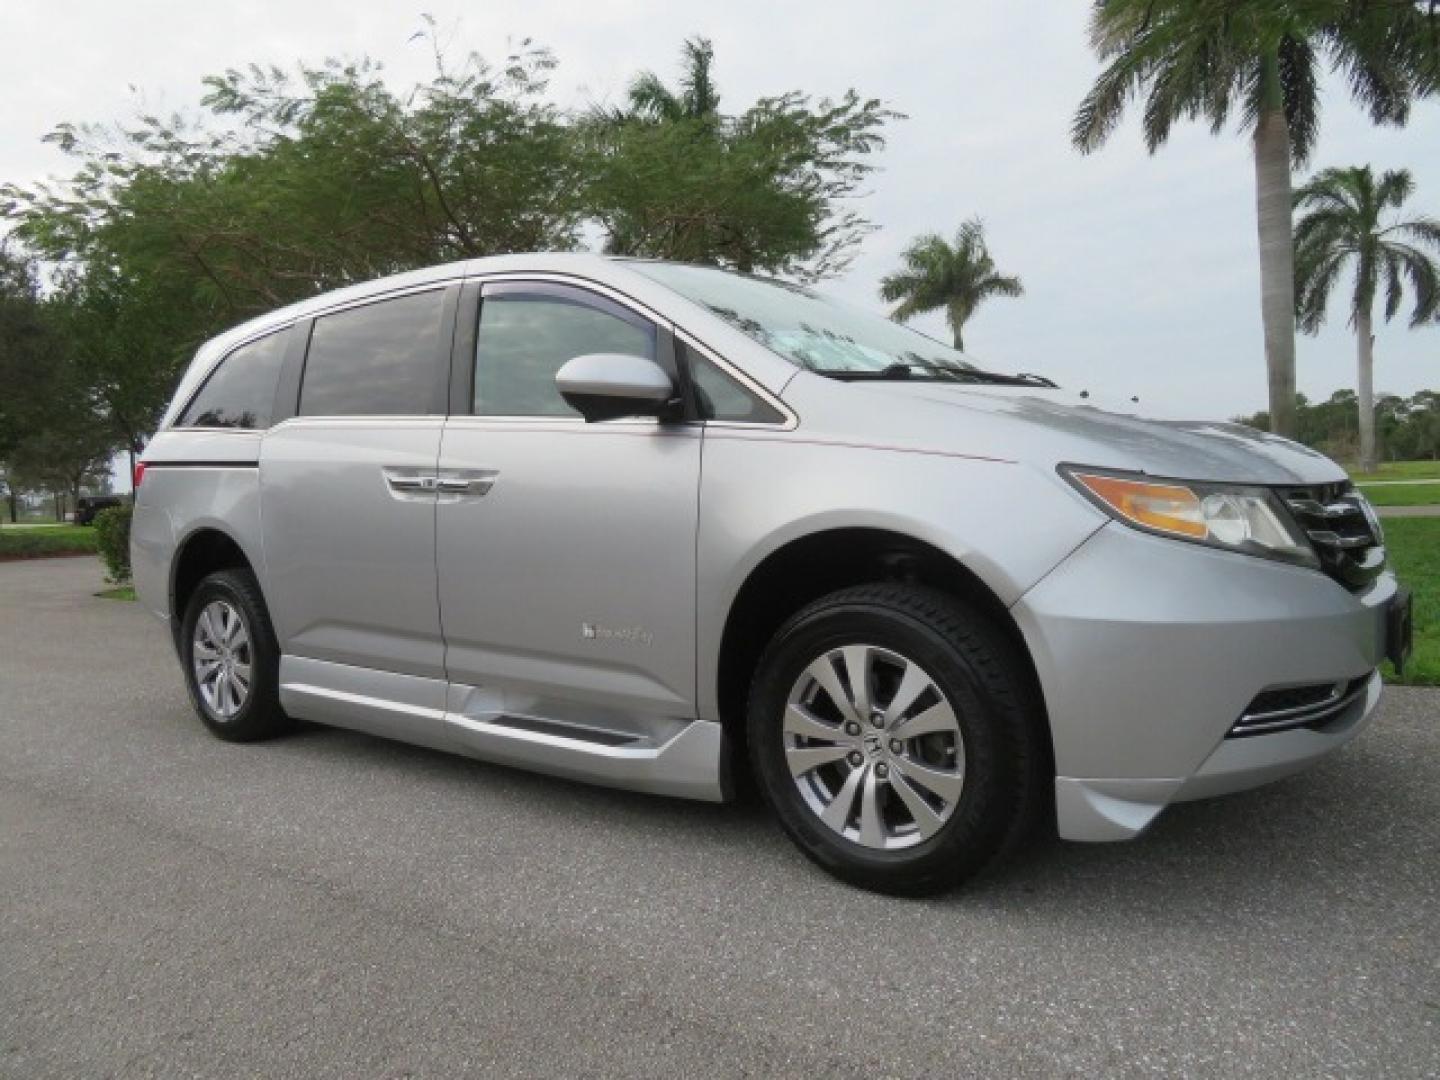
column 597, row 408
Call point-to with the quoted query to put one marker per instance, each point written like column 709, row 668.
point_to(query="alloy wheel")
column 874, row 747
column 222, row 659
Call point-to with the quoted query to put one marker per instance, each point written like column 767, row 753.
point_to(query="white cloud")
column 1141, row 271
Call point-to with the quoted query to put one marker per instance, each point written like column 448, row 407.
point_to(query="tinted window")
column 720, row 397
column 525, row 338
column 240, row 392
column 376, row 360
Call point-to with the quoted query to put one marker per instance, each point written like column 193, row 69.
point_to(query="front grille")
column 1333, row 516
column 1297, row 706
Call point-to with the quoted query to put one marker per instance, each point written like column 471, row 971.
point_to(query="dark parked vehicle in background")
column 87, row 506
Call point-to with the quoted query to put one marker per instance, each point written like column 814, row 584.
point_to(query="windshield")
column 809, row 330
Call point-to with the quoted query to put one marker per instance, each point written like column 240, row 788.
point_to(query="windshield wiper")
column 1023, row 378
column 903, row 370
column 898, row 370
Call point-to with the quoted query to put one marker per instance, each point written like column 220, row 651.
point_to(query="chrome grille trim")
column 1334, row 518
column 1341, row 696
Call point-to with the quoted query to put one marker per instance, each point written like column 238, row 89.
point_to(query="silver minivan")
column 679, row 530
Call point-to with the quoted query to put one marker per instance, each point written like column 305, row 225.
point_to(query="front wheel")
column 895, row 736
column 231, row 659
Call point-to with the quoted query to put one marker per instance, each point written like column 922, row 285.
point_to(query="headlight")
column 1234, row 517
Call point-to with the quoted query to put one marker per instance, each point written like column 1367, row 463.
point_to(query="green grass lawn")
column 38, row 543
column 1398, row 470
column 1414, row 547
column 1402, row 495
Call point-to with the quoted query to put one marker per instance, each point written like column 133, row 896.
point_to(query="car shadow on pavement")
column 1205, row 860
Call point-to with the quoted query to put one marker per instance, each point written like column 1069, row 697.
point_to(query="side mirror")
column 608, row 386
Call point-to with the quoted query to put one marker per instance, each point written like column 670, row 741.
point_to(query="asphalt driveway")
column 335, row 905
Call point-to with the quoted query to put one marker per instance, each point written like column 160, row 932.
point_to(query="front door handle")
column 465, row 483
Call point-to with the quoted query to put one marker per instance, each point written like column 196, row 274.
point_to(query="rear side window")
column 526, row 337
column 240, row 392
column 376, row 360
column 719, row 397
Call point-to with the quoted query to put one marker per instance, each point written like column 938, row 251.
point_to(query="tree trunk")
column 959, row 341
column 1277, row 264
column 1365, row 389
column 14, row 506
column 56, row 497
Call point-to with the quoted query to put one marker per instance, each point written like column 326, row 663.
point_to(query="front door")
column 566, row 550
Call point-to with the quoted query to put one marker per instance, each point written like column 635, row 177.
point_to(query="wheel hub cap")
column 222, row 659
column 874, row 747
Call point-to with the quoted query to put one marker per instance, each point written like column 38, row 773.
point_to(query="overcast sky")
column 1140, row 272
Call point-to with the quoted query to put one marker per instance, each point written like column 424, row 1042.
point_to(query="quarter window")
column 240, row 392
column 527, row 336
column 377, row 360
column 719, row 397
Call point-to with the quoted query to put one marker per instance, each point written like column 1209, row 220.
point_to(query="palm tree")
column 1262, row 60
column 1346, row 228
column 958, row 277
column 650, row 99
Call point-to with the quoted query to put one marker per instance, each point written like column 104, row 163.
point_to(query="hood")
column 1051, row 427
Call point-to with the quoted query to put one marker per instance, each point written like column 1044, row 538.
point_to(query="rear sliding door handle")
column 409, row 482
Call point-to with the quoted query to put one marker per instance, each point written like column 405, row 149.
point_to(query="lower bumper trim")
column 1122, row 808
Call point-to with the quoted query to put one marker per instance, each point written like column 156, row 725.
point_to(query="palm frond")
column 1424, row 276
column 1300, row 84
column 700, row 95
column 651, row 98
column 1315, row 276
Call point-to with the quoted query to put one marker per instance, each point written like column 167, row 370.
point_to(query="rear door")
column 348, row 497
column 566, row 550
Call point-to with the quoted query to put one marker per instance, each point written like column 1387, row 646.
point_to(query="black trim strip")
column 201, row 464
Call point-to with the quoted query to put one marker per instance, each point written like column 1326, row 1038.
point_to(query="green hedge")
column 112, row 534
column 45, row 540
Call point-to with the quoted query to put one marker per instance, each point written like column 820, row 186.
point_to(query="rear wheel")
column 894, row 734
column 231, row 659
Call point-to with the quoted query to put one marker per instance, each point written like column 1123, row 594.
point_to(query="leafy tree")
column 1410, row 426
column 24, row 338
column 291, row 185
column 670, row 176
column 957, row 277
column 287, row 184
column 53, row 435
column 1345, row 228
column 1260, row 59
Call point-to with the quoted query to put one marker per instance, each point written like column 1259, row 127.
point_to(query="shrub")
column 112, row 533
column 43, row 543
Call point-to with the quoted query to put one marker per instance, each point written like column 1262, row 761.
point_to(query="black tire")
column 970, row 661
column 260, row 716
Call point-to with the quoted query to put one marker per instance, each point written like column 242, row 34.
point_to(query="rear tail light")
column 139, row 475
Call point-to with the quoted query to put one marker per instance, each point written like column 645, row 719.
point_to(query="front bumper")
column 1148, row 651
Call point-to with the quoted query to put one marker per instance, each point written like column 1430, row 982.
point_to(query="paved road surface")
column 1408, row 511
column 334, row 905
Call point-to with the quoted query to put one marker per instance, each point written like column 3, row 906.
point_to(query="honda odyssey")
column 669, row 528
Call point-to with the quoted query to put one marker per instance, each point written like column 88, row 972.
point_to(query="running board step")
column 685, row 764
column 561, row 730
